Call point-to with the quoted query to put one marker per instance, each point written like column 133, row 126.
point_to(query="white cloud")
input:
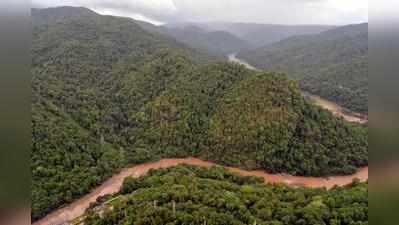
column 276, row 11
column 261, row 11
column 124, row 13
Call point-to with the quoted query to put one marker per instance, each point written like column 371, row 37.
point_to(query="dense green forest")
column 193, row 195
column 332, row 64
column 66, row 160
column 108, row 93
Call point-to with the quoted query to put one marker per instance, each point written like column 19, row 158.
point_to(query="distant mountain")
column 217, row 43
column 332, row 64
column 220, row 39
column 258, row 35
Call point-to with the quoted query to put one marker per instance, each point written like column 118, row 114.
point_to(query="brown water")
column 112, row 185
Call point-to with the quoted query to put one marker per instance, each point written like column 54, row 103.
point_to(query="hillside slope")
column 332, row 64
column 123, row 36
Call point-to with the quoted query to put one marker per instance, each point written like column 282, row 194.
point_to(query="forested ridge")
column 332, row 64
column 107, row 94
column 193, row 195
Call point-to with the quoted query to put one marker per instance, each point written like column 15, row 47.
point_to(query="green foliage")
column 193, row 195
column 332, row 64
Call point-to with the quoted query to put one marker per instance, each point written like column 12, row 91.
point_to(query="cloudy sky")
column 259, row 11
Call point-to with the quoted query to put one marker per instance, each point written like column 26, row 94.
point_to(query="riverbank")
column 113, row 184
column 336, row 109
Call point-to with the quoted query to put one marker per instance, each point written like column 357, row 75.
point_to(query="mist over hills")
column 216, row 43
column 258, row 35
column 225, row 38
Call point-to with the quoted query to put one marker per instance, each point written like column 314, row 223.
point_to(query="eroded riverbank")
column 336, row 109
column 113, row 184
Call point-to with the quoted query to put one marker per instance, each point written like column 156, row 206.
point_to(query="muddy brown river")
column 112, row 185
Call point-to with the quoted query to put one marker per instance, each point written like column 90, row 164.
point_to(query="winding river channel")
column 76, row 209
column 113, row 184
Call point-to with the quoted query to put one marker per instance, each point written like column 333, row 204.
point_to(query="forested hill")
column 333, row 64
column 106, row 93
column 191, row 195
column 115, row 37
